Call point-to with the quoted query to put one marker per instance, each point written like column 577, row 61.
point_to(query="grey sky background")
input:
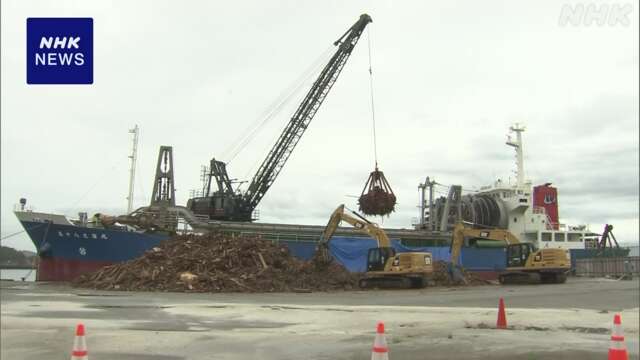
column 449, row 78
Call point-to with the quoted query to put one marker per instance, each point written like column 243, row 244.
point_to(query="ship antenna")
column 517, row 144
column 132, row 169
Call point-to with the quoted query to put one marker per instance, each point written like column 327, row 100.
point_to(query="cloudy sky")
column 449, row 79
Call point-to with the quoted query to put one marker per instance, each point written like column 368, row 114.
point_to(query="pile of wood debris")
column 220, row 263
column 442, row 277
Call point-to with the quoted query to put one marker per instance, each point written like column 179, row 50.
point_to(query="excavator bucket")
column 377, row 198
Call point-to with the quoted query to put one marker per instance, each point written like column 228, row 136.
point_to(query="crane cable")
column 11, row 235
column 98, row 181
column 295, row 90
column 373, row 112
column 275, row 108
column 21, row 231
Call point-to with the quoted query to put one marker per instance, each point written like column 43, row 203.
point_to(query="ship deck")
column 311, row 233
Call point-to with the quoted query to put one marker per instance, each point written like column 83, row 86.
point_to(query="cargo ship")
column 68, row 248
column 530, row 212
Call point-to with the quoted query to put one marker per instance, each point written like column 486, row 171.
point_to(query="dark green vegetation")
column 12, row 258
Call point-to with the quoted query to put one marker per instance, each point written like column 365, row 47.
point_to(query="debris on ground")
column 377, row 198
column 442, row 278
column 220, row 263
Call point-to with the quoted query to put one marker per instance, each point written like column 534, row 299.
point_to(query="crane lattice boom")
column 279, row 154
column 224, row 204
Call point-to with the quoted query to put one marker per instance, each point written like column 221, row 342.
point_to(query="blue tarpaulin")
column 351, row 252
column 303, row 250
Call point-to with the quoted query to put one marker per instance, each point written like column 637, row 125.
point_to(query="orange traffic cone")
column 502, row 316
column 79, row 351
column 617, row 350
column 380, row 350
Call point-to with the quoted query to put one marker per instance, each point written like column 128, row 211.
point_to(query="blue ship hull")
column 67, row 251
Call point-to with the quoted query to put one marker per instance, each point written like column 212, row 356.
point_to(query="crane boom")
column 227, row 204
column 280, row 152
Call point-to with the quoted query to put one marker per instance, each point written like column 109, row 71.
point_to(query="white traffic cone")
column 380, row 349
column 79, row 351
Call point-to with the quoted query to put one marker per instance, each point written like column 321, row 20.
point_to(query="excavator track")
column 523, row 277
column 554, row 278
column 392, row 282
column 520, row 278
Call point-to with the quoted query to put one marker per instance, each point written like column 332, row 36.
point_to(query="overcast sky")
column 449, row 79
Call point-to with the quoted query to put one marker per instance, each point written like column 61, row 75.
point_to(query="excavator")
column 524, row 263
column 385, row 267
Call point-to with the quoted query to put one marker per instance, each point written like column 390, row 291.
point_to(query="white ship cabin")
column 533, row 211
column 531, row 223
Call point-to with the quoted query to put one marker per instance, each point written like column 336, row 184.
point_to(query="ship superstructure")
column 529, row 212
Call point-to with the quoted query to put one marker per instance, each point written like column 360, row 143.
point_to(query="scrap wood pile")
column 219, row 263
column 441, row 275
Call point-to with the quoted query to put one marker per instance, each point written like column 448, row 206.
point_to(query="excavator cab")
column 517, row 254
column 377, row 258
column 528, row 265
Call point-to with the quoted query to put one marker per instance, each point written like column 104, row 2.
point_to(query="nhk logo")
column 60, row 51
column 57, row 58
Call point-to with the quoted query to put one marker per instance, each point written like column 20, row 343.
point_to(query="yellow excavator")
column 524, row 263
column 385, row 267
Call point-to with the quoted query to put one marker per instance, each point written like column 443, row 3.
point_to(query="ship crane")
column 225, row 203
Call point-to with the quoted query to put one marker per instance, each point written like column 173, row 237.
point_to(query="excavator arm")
column 354, row 220
column 456, row 243
column 460, row 232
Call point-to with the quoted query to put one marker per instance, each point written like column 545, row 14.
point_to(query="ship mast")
column 132, row 169
column 517, row 144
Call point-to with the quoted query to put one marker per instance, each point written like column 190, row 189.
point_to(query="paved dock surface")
column 569, row 321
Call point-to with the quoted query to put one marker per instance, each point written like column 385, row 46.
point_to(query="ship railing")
column 549, row 225
column 562, row 227
column 556, row 225
column 203, row 218
column 196, row 193
column 565, row 227
column 278, row 237
column 18, row 207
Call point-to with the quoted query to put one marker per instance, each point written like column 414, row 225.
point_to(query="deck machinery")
column 226, row 204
